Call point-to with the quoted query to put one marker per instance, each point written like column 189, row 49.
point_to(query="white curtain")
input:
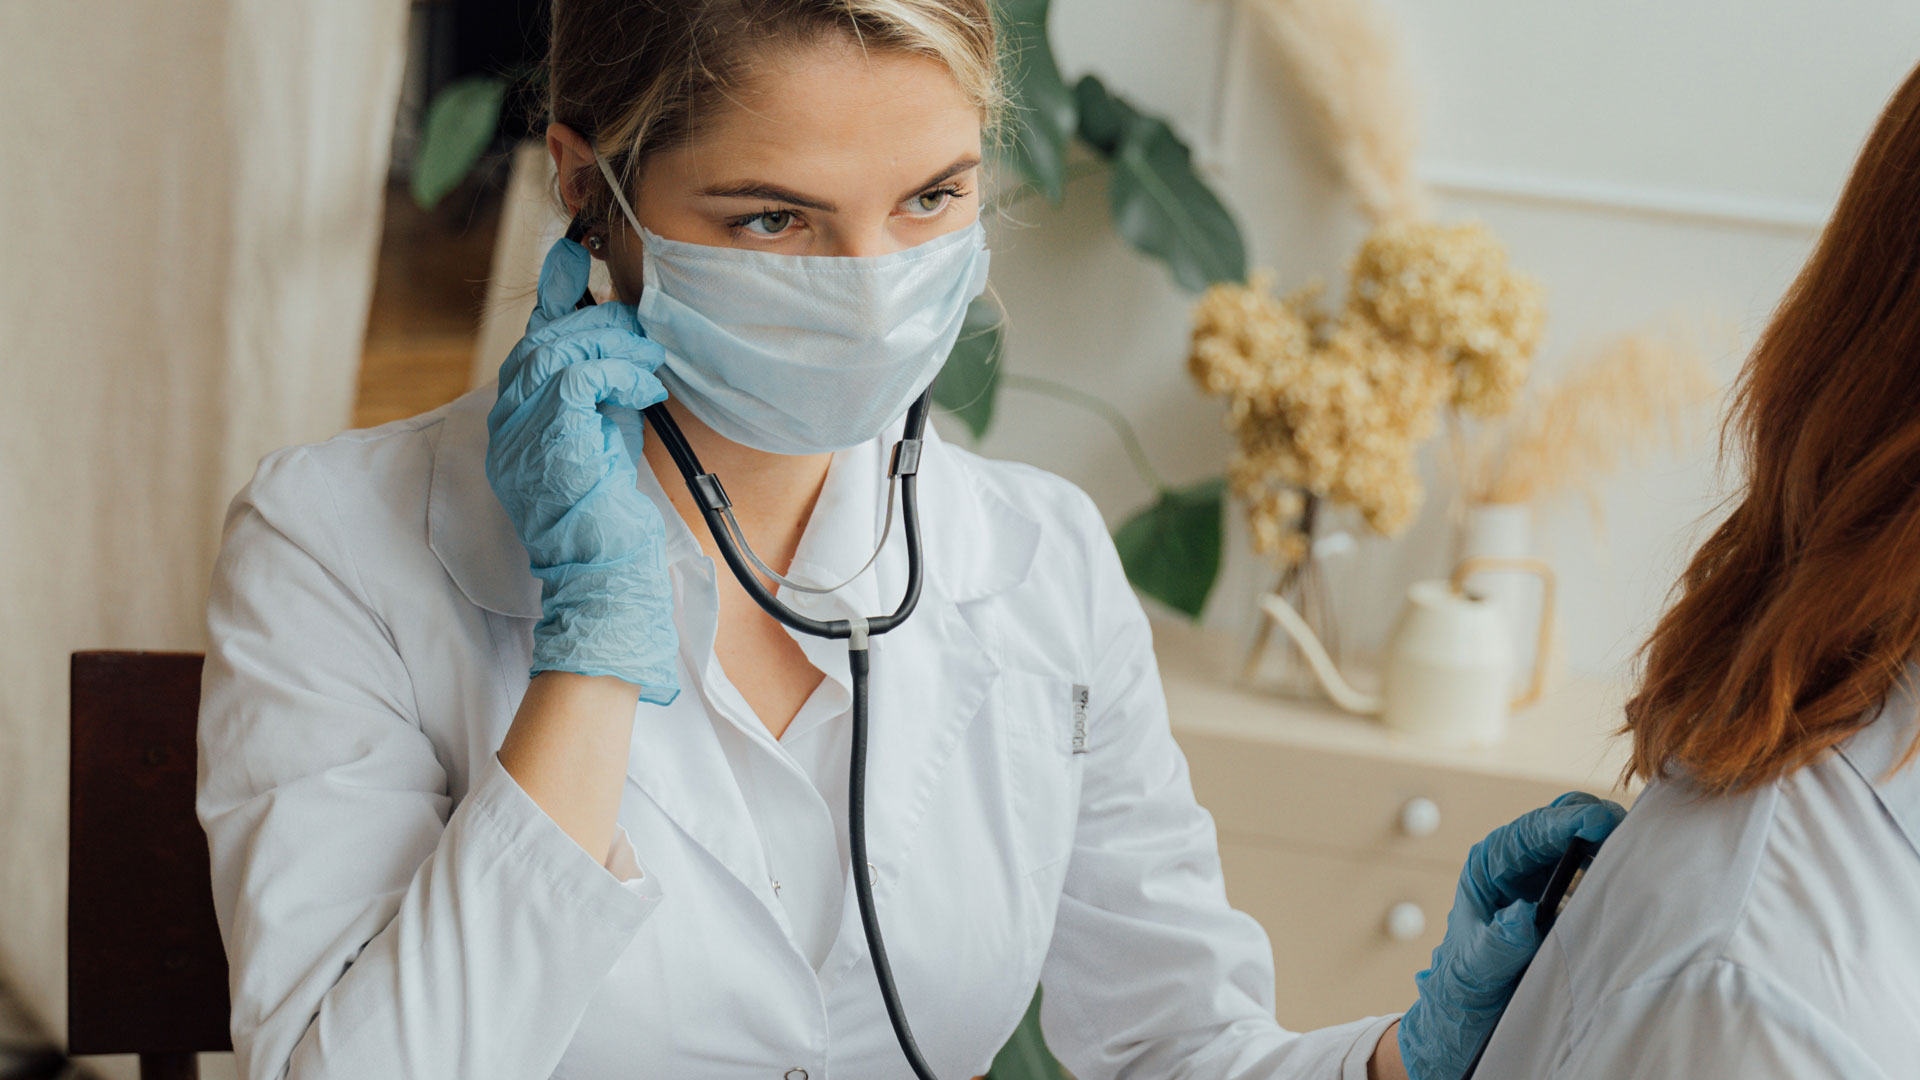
column 190, row 199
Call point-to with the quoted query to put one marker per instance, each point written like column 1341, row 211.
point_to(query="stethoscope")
column 902, row 473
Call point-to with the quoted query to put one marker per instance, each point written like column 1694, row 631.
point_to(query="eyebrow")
column 758, row 189
column 960, row 165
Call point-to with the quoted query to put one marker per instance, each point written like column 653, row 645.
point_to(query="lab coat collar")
column 842, row 531
column 976, row 544
column 1874, row 750
column 467, row 528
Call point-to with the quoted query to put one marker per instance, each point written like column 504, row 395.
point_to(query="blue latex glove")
column 1490, row 933
column 563, row 458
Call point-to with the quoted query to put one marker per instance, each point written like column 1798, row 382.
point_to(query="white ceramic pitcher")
column 1448, row 663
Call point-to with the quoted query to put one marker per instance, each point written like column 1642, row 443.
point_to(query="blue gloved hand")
column 1490, row 934
column 563, row 457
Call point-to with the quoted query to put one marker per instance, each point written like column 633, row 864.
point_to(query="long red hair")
column 1793, row 622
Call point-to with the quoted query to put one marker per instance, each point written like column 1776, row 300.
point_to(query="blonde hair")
column 637, row 75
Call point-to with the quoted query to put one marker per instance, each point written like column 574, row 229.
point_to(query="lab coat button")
column 795, row 1073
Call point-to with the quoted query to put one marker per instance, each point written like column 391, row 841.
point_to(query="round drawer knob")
column 1420, row 817
column 1405, row 921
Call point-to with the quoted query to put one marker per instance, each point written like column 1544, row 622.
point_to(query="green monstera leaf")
column 1171, row 550
column 1160, row 204
column 1043, row 108
column 1103, row 117
column 1026, row 1057
column 968, row 383
column 460, row 125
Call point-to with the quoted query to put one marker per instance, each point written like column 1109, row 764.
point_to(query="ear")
column 571, row 154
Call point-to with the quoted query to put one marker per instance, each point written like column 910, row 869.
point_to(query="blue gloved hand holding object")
column 563, row 457
column 1490, row 933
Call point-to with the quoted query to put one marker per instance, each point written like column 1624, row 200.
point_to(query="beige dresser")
column 1345, row 840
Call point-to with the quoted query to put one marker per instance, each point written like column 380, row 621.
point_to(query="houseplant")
column 1159, row 204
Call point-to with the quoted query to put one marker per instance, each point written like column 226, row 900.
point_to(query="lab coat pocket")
column 1038, row 719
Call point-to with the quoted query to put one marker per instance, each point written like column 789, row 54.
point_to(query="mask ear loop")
column 582, row 223
column 613, row 185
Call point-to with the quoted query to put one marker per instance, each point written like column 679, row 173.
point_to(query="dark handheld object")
column 1566, row 877
column 1553, row 900
column 711, row 497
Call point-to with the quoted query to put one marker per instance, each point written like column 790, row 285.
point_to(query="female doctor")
column 502, row 778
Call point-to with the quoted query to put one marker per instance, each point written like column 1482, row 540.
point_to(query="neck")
column 772, row 494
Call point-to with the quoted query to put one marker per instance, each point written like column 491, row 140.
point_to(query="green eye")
column 929, row 203
column 775, row 222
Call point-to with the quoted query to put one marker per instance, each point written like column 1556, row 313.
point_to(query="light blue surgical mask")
column 803, row 354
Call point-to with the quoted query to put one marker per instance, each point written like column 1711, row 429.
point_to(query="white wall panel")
column 1756, row 97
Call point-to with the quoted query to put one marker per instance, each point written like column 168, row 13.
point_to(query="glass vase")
column 1274, row 664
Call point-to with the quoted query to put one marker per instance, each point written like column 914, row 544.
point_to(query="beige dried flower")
column 1447, row 289
column 1338, row 406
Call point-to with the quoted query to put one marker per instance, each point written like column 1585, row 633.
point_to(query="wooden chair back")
column 146, row 971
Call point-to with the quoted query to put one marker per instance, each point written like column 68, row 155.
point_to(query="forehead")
column 834, row 112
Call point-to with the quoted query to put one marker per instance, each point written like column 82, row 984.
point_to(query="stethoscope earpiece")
column 581, row 231
column 578, row 228
column 584, row 230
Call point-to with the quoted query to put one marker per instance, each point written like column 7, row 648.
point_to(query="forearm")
column 568, row 747
column 1385, row 1063
column 489, row 959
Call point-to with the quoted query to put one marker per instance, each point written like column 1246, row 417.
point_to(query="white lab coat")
column 394, row 904
column 1773, row 935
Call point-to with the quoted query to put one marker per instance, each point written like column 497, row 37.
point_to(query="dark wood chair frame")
column 146, row 971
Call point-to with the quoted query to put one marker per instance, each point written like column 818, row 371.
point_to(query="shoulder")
column 1040, row 546
column 1829, row 912
column 1717, row 1018
column 1029, row 488
column 1068, row 521
column 337, row 498
column 1035, row 525
column 1703, row 902
column 355, row 473
column 1668, row 890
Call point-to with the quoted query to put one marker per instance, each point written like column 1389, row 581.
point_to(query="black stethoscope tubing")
column 711, row 496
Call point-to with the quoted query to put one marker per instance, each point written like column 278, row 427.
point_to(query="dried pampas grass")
column 1348, row 62
column 1639, row 391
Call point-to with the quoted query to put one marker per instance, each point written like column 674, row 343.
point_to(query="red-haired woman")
column 1758, row 914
